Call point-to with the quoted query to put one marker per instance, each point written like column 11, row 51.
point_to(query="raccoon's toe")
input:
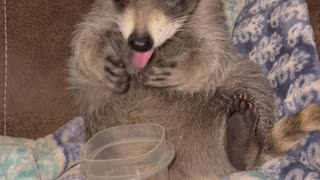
column 116, row 75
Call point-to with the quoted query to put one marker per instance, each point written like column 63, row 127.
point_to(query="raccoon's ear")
column 120, row 4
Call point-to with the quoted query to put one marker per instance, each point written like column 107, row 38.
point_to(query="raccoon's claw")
column 116, row 75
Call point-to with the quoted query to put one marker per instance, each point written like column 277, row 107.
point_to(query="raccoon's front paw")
column 168, row 75
column 241, row 124
column 117, row 77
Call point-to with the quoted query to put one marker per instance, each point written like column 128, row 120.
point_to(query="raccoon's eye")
column 175, row 3
column 120, row 3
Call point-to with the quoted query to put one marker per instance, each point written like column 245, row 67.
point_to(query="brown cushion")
column 39, row 35
column 314, row 9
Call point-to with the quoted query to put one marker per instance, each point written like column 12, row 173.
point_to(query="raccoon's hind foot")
column 241, row 122
column 116, row 75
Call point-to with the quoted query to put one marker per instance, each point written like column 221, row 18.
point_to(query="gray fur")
column 193, row 103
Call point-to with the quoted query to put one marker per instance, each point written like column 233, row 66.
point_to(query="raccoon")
column 170, row 62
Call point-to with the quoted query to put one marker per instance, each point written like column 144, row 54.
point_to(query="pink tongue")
column 140, row 59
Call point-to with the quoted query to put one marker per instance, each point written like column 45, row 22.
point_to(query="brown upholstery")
column 314, row 8
column 38, row 46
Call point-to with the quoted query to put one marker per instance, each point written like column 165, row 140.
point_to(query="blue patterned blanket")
column 276, row 34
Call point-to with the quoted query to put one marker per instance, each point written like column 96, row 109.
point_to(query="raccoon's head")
column 148, row 24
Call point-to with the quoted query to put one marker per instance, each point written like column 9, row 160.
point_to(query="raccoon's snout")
column 140, row 42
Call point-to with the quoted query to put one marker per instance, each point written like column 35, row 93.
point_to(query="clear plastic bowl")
column 132, row 152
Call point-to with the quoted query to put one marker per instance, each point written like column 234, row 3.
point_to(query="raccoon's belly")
column 196, row 131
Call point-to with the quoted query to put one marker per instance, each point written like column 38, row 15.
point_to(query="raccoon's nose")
column 140, row 42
